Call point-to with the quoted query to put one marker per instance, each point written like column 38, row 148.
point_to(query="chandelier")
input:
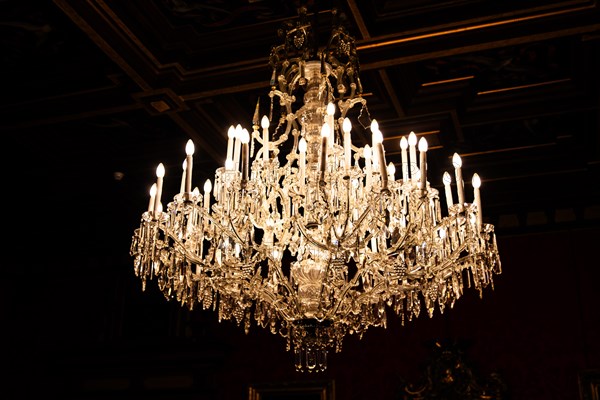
column 306, row 232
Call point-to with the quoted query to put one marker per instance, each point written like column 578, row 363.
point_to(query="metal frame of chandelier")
column 307, row 233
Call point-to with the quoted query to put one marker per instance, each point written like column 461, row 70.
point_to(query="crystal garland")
column 313, row 237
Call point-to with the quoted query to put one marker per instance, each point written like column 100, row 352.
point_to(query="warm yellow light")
column 207, row 186
column 330, row 109
column 245, row 136
column 264, row 122
column 403, row 143
column 367, row 151
column 374, row 125
column 456, row 161
column 412, row 139
column 447, row 178
column 377, row 137
column 391, row 169
column 189, row 148
column 160, row 170
column 302, row 145
column 476, row 181
column 422, row 144
column 346, row 125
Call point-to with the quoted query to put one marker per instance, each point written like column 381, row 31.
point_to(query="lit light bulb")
column 422, row 144
column 346, row 125
column 403, row 143
column 456, row 161
column 476, row 181
column 412, row 139
column 447, row 179
column 189, row 148
column 160, row 171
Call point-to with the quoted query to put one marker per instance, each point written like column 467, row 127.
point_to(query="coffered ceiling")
column 96, row 93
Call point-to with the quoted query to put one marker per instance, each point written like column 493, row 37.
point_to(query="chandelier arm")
column 284, row 204
column 288, row 127
column 401, row 240
column 258, row 137
column 287, row 284
column 189, row 256
column 346, row 216
column 344, row 290
column 358, row 223
column 230, row 232
column 309, row 238
column 346, row 105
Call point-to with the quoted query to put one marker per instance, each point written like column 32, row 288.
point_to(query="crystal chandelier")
column 306, row 232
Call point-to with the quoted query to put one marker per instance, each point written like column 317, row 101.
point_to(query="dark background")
column 94, row 94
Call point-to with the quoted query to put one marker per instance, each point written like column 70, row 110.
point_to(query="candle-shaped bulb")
column 184, row 167
column 412, row 162
column 330, row 109
column 391, row 170
column 189, row 148
column 325, row 130
column 368, row 166
column 245, row 139
column 302, row 145
column 422, row 144
column 476, row 181
column 324, row 135
column 152, row 197
column 245, row 136
column 456, row 161
column 302, row 161
column 207, row 189
column 403, row 143
column 264, row 122
column 329, row 121
column 196, row 191
column 423, row 162
column 230, row 139
column 160, row 171
column 412, row 139
column 374, row 125
column 377, row 136
column 404, row 155
column 447, row 179
column 237, row 147
column 346, row 125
